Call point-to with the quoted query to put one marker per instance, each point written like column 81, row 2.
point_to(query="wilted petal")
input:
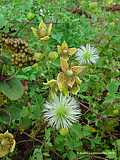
column 51, row 83
column 77, row 80
column 59, row 49
column 75, row 89
column 42, row 25
column 42, row 33
column 61, row 81
column 77, row 69
column 64, row 64
column 64, row 90
column 72, row 51
column 64, row 46
column 71, row 81
column 44, row 38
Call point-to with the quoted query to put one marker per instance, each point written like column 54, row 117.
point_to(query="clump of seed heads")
column 21, row 53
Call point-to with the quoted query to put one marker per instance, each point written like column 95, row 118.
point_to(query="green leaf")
column 57, row 37
column 71, row 155
column 23, row 4
column 14, row 110
column 5, row 116
column 25, row 122
column 12, row 88
column 86, row 131
column 118, row 142
column 75, row 130
column 5, row 60
column 111, row 154
column 37, row 154
column 75, row 90
column 47, row 134
column 113, row 86
column 2, row 20
column 22, row 77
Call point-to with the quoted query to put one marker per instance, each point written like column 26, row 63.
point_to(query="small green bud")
column 64, row 131
column 116, row 111
column 69, row 73
column 53, row 55
column 30, row 16
column 38, row 56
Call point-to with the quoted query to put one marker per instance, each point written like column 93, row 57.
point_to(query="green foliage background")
column 99, row 128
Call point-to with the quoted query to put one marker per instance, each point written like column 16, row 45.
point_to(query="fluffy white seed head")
column 87, row 54
column 61, row 112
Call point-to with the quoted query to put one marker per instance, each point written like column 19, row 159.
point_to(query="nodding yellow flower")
column 43, row 32
column 65, row 51
column 7, row 143
column 68, row 79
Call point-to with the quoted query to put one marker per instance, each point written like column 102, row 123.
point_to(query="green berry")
column 30, row 16
column 53, row 55
column 69, row 73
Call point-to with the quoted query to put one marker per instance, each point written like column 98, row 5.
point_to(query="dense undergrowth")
column 34, row 68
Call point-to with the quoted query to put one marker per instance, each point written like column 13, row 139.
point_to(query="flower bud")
column 69, row 73
column 53, row 55
column 38, row 56
column 30, row 16
column 64, row 131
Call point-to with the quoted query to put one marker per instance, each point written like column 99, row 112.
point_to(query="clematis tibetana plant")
column 7, row 143
column 61, row 112
column 43, row 32
column 68, row 79
column 87, row 54
column 65, row 51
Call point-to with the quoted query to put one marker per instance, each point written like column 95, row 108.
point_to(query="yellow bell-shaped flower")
column 43, row 32
column 68, row 78
column 65, row 51
column 7, row 143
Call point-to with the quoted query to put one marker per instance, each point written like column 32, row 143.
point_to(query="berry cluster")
column 21, row 54
column 22, row 59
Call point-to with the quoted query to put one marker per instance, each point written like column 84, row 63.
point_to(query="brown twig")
column 37, row 140
column 24, row 141
column 99, row 157
column 88, row 109
column 113, row 8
